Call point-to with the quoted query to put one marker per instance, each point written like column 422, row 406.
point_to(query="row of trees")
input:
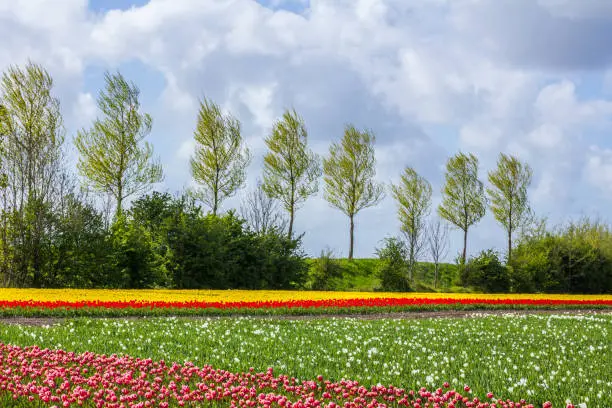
column 53, row 233
column 291, row 170
column 46, row 218
column 464, row 204
column 116, row 160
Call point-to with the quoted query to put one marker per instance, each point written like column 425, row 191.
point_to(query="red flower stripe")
column 304, row 304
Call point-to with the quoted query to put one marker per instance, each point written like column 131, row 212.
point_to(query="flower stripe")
column 290, row 304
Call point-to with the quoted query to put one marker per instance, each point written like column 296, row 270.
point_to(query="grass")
column 360, row 275
column 534, row 357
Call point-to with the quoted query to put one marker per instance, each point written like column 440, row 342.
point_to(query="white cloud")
column 546, row 136
column 598, row 169
column 186, row 149
column 84, row 110
column 393, row 66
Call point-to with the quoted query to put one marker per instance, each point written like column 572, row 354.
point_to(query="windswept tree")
column 3, row 121
column 413, row 197
column 437, row 240
column 291, row 170
column 349, row 173
column 114, row 158
column 464, row 202
column 508, row 195
column 220, row 160
column 261, row 212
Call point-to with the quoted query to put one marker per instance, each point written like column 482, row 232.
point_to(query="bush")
column 194, row 251
column 393, row 268
column 326, row 272
column 576, row 258
column 486, row 272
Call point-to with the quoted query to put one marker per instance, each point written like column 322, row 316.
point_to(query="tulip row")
column 182, row 295
column 58, row 378
column 321, row 306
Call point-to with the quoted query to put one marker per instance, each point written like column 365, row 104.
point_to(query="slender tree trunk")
column 119, row 198
column 352, row 236
column 509, row 245
column 119, row 206
column 463, row 257
column 291, row 216
column 437, row 267
column 411, row 261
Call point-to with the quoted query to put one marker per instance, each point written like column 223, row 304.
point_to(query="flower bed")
column 60, row 378
column 40, row 302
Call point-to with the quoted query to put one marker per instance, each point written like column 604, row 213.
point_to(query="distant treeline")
column 572, row 258
column 100, row 228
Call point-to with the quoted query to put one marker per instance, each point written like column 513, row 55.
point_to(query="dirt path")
column 457, row 314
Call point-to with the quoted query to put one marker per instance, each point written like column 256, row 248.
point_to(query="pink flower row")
column 62, row 379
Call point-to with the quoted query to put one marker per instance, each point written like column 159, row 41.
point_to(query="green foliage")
column 220, row 160
column 508, row 194
column 576, row 258
column 486, row 272
column 33, row 135
column 325, row 272
column 133, row 259
column 448, row 275
column 113, row 157
column 413, row 197
column 349, row 176
column 463, row 203
column 80, row 248
column 195, row 251
column 291, row 170
column 393, row 268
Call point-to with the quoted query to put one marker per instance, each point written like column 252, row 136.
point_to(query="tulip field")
column 73, row 302
column 557, row 359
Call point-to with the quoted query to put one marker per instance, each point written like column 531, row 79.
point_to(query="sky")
column 531, row 78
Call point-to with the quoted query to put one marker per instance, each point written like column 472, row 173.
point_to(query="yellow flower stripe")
column 165, row 295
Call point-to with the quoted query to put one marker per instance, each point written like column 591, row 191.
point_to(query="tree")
column 113, row 155
column 291, row 170
column 220, row 160
column 32, row 125
column 413, row 196
column 261, row 212
column 508, row 195
column 464, row 202
column 349, row 176
column 437, row 240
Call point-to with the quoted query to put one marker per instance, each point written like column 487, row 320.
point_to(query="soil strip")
column 457, row 314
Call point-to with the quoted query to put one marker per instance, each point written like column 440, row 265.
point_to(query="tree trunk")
column 119, row 199
column 352, row 239
column 463, row 257
column 437, row 267
column 291, row 216
column 509, row 245
column 215, row 200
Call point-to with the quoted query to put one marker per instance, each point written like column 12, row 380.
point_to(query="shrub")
column 576, row 258
column 326, row 272
column 393, row 268
column 486, row 272
column 216, row 252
